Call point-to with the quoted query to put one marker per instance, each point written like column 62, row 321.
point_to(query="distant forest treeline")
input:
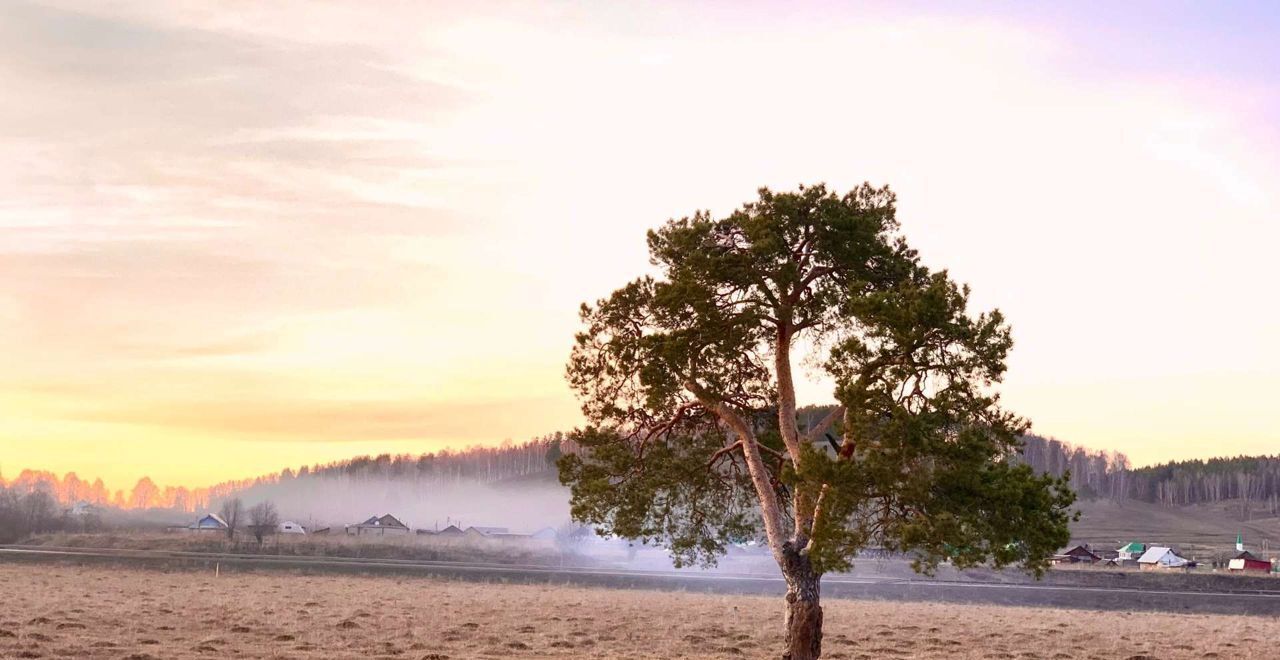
column 1254, row 480
column 1094, row 474
column 475, row 465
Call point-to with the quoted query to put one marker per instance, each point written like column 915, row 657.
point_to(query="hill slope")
column 1201, row 531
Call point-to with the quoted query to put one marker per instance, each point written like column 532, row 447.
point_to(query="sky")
column 241, row 236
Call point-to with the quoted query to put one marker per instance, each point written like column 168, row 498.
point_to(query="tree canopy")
column 685, row 377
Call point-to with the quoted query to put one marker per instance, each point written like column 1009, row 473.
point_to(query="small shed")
column 290, row 527
column 1158, row 557
column 210, row 522
column 1246, row 561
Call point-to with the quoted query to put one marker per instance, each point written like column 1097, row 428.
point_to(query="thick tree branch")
column 801, row 505
column 786, row 394
column 816, row 432
column 814, row 275
column 847, row 444
column 817, row 518
column 770, row 509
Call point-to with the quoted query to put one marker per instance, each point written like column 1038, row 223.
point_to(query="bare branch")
column 675, row 419
column 721, row 452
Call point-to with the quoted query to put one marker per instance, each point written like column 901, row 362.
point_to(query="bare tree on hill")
column 231, row 512
column 263, row 520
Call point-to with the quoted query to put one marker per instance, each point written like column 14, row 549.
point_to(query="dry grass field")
column 53, row 611
column 411, row 546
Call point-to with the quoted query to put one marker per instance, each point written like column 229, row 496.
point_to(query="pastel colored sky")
column 241, row 236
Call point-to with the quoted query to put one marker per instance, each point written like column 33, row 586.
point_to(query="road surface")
column 1233, row 601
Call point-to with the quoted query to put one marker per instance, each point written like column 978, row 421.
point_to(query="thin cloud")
column 331, row 421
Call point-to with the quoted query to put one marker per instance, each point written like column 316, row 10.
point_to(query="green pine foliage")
column 684, row 375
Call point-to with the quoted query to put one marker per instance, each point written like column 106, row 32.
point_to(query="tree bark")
column 803, row 620
column 786, row 394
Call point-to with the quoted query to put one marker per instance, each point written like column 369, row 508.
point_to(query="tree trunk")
column 804, row 613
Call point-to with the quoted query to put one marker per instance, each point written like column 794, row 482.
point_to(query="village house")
column 290, row 527
column 385, row 525
column 1077, row 554
column 210, row 522
column 1246, row 561
column 448, row 532
column 1131, row 551
column 1159, row 557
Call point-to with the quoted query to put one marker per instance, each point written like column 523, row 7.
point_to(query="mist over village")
column 618, row 330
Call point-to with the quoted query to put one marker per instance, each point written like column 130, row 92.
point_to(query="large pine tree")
column 686, row 380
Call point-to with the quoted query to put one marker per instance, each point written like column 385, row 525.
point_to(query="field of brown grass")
column 64, row 610
column 410, row 547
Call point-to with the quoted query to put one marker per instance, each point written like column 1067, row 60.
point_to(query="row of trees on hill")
column 477, row 485
column 476, row 464
column 1093, row 474
column 23, row 513
column 67, row 489
column 70, row 489
column 1252, row 480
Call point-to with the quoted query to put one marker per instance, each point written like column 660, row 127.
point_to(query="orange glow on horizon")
column 232, row 243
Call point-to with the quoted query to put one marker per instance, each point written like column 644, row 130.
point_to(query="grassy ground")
column 97, row 612
column 417, row 547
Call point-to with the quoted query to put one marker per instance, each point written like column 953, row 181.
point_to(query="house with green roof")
column 1131, row 551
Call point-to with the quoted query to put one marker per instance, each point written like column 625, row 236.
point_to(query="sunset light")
column 336, row 329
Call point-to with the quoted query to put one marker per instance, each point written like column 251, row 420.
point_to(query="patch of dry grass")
column 56, row 611
column 408, row 546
